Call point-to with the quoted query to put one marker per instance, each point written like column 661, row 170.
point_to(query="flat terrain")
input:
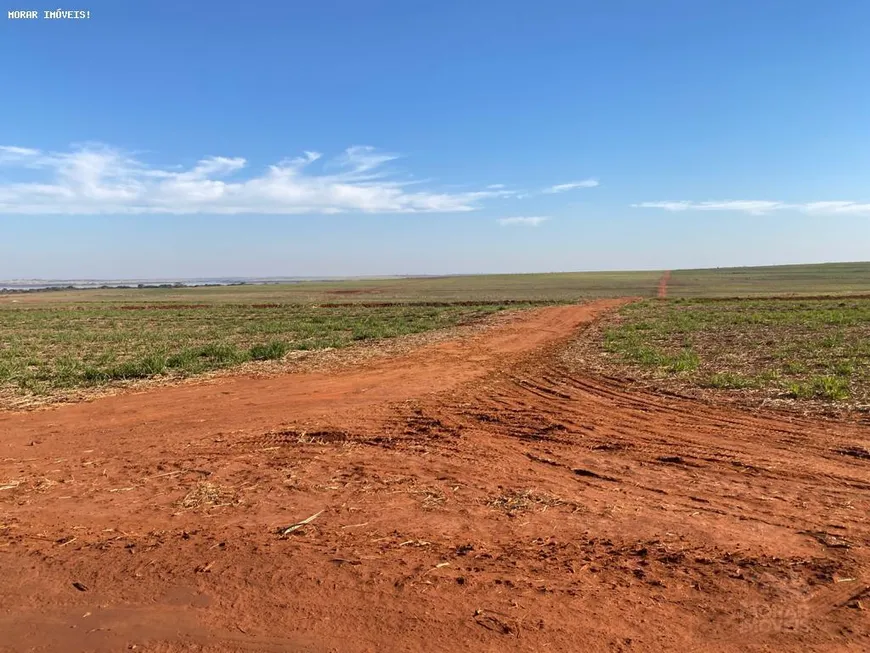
column 65, row 345
column 798, row 353
column 504, row 462
column 479, row 493
column 566, row 286
column 820, row 279
column 68, row 345
column 51, row 352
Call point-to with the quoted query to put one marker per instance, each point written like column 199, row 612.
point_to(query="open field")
column 48, row 350
column 72, row 344
column 821, row 279
column 473, row 494
column 569, row 286
column 782, row 352
column 63, row 344
column 493, row 466
column 828, row 278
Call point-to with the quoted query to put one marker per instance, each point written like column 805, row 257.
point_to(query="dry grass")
column 430, row 498
column 516, row 501
column 208, row 495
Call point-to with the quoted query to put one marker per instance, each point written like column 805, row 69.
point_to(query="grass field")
column 817, row 349
column 569, row 286
column 47, row 349
column 822, row 279
column 51, row 342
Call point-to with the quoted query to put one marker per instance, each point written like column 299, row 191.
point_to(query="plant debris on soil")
column 205, row 494
column 69, row 353
column 812, row 355
column 516, row 501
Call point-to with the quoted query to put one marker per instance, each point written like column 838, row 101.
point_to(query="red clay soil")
column 474, row 495
column 663, row 284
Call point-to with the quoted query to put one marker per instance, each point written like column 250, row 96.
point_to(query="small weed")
column 685, row 361
column 647, row 356
column 273, row 351
column 820, row 387
column 794, row 367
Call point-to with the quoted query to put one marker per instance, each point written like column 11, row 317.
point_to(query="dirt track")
column 663, row 284
column 476, row 495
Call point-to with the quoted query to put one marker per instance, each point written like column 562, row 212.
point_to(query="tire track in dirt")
column 478, row 494
column 259, row 404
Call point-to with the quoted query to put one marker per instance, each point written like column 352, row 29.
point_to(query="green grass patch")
column 45, row 350
column 274, row 350
column 803, row 349
column 820, row 387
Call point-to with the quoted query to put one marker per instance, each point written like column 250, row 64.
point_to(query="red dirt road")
column 663, row 284
column 476, row 495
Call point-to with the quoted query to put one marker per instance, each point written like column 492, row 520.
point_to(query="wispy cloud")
column 837, row 206
column 531, row 221
column 9, row 153
column 761, row 207
column 99, row 179
column 573, row 185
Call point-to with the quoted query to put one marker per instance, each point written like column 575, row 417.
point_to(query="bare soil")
column 476, row 494
column 314, row 360
column 663, row 284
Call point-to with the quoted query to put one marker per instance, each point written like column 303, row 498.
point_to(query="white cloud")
column 573, row 185
column 532, row 221
column 761, row 207
column 98, row 179
column 853, row 208
column 10, row 153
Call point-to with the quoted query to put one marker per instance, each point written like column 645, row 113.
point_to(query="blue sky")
column 349, row 137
